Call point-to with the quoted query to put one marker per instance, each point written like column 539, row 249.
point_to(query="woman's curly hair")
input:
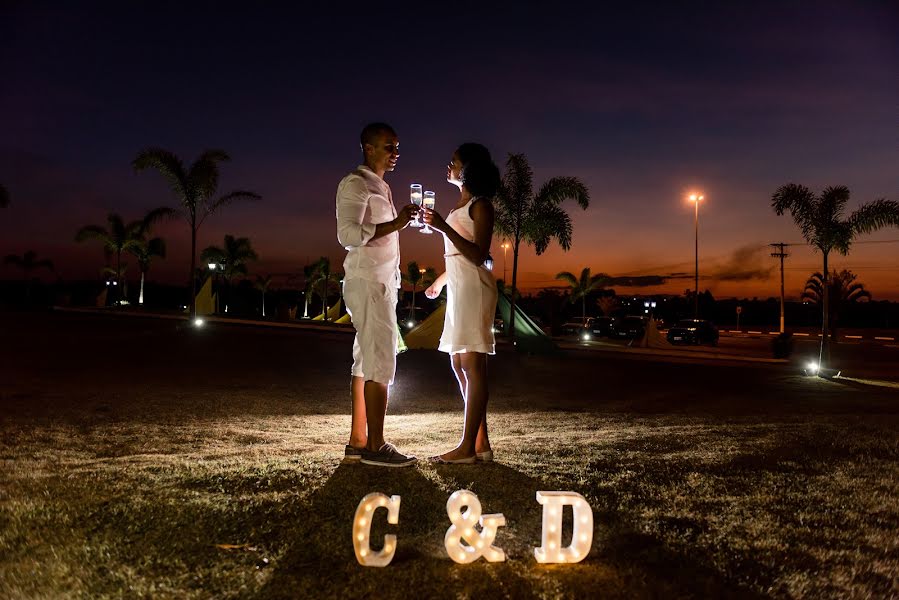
column 480, row 175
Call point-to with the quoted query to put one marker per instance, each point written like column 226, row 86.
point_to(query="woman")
column 471, row 293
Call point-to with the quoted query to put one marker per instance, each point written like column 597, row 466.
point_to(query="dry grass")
column 112, row 487
column 682, row 507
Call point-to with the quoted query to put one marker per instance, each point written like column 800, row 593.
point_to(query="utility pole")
column 781, row 254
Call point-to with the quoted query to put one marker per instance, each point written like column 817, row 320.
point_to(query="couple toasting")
column 368, row 226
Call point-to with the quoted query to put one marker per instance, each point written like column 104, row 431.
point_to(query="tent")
column 205, row 300
column 652, row 338
column 333, row 312
column 528, row 336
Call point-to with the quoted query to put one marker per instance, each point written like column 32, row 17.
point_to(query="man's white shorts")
column 372, row 307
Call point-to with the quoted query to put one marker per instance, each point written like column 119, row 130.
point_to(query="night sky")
column 644, row 104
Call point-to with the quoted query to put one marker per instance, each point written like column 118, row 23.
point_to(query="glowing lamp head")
column 199, row 322
column 211, row 266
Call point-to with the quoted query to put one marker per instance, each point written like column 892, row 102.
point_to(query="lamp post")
column 505, row 246
column 695, row 199
column 215, row 268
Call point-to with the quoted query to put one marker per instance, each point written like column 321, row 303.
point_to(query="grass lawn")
column 144, row 459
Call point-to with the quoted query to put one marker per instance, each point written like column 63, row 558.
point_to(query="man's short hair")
column 373, row 130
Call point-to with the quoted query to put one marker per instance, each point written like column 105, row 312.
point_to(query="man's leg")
column 375, row 411
column 358, row 428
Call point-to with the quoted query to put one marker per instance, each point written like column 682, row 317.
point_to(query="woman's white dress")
column 470, row 295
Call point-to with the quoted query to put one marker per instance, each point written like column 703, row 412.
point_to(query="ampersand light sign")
column 365, row 512
column 477, row 543
column 551, row 550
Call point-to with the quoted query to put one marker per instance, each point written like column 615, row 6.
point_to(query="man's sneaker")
column 387, row 456
column 351, row 454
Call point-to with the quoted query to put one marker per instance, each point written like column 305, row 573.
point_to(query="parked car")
column 693, row 331
column 577, row 326
column 603, row 326
column 630, row 328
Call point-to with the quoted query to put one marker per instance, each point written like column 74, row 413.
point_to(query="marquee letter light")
column 463, row 527
column 365, row 512
column 551, row 550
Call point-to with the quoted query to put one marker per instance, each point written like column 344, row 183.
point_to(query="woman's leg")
column 474, row 374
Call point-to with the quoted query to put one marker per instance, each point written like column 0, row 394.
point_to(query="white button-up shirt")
column 364, row 200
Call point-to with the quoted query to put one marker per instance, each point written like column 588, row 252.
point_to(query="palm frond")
column 92, row 232
column 203, row 174
column 833, row 201
column 875, row 215
column 212, row 254
column 156, row 215
column 545, row 223
column 559, row 189
column 568, row 277
column 170, row 166
column 13, row 259
column 236, row 196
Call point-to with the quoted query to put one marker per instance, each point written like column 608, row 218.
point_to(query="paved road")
column 59, row 365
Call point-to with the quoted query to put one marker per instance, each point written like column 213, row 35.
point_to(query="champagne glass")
column 415, row 193
column 429, row 202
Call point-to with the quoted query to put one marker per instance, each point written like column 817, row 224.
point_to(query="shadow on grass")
column 318, row 558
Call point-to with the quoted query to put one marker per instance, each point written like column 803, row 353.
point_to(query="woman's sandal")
column 485, row 456
column 437, row 460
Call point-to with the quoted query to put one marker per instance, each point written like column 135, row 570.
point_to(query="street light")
column 696, row 199
column 215, row 268
column 504, row 246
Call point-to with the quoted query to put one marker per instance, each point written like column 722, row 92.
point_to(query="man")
column 368, row 227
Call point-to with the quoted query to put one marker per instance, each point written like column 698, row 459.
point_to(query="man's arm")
column 352, row 203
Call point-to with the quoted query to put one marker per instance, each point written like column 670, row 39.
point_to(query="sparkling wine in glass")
column 415, row 193
column 430, row 200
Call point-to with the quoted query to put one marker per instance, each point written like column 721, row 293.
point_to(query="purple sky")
column 644, row 104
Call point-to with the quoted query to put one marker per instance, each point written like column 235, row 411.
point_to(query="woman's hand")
column 433, row 219
column 434, row 290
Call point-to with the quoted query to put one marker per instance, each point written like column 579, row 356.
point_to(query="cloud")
column 747, row 263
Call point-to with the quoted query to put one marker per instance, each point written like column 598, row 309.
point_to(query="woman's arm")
column 482, row 214
column 435, row 288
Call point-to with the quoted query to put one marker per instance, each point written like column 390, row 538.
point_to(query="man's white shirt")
column 364, row 200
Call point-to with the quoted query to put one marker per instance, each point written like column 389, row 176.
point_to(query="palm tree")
column 581, row 288
column 120, row 237
column 144, row 251
column 29, row 263
column 4, row 196
column 535, row 219
column 194, row 187
column 417, row 276
column 262, row 283
column 321, row 279
column 843, row 292
column 820, row 218
column 234, row 256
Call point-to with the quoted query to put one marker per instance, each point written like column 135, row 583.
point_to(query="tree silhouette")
column 261, row 284
column 144, row 251
column 234, row 256
column 194, row 188
column 417, row 277
column 29, row 263
column 581, row 287
column 4, row 196
column 118, row 237
column 820, row 218
column 843, row 292
column 535, row 219
column 321, row 280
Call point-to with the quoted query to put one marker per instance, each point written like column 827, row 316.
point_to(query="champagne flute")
column 429, row 202
column 415, row 192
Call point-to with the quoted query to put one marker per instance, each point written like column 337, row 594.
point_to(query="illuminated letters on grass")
column 365, row 512
column 465, row 544
column 477, row 543
column 551, row 550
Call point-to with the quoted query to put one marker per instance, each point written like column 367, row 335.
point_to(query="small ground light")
column 410, row 324
column 199, row 322
column 585, row 336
